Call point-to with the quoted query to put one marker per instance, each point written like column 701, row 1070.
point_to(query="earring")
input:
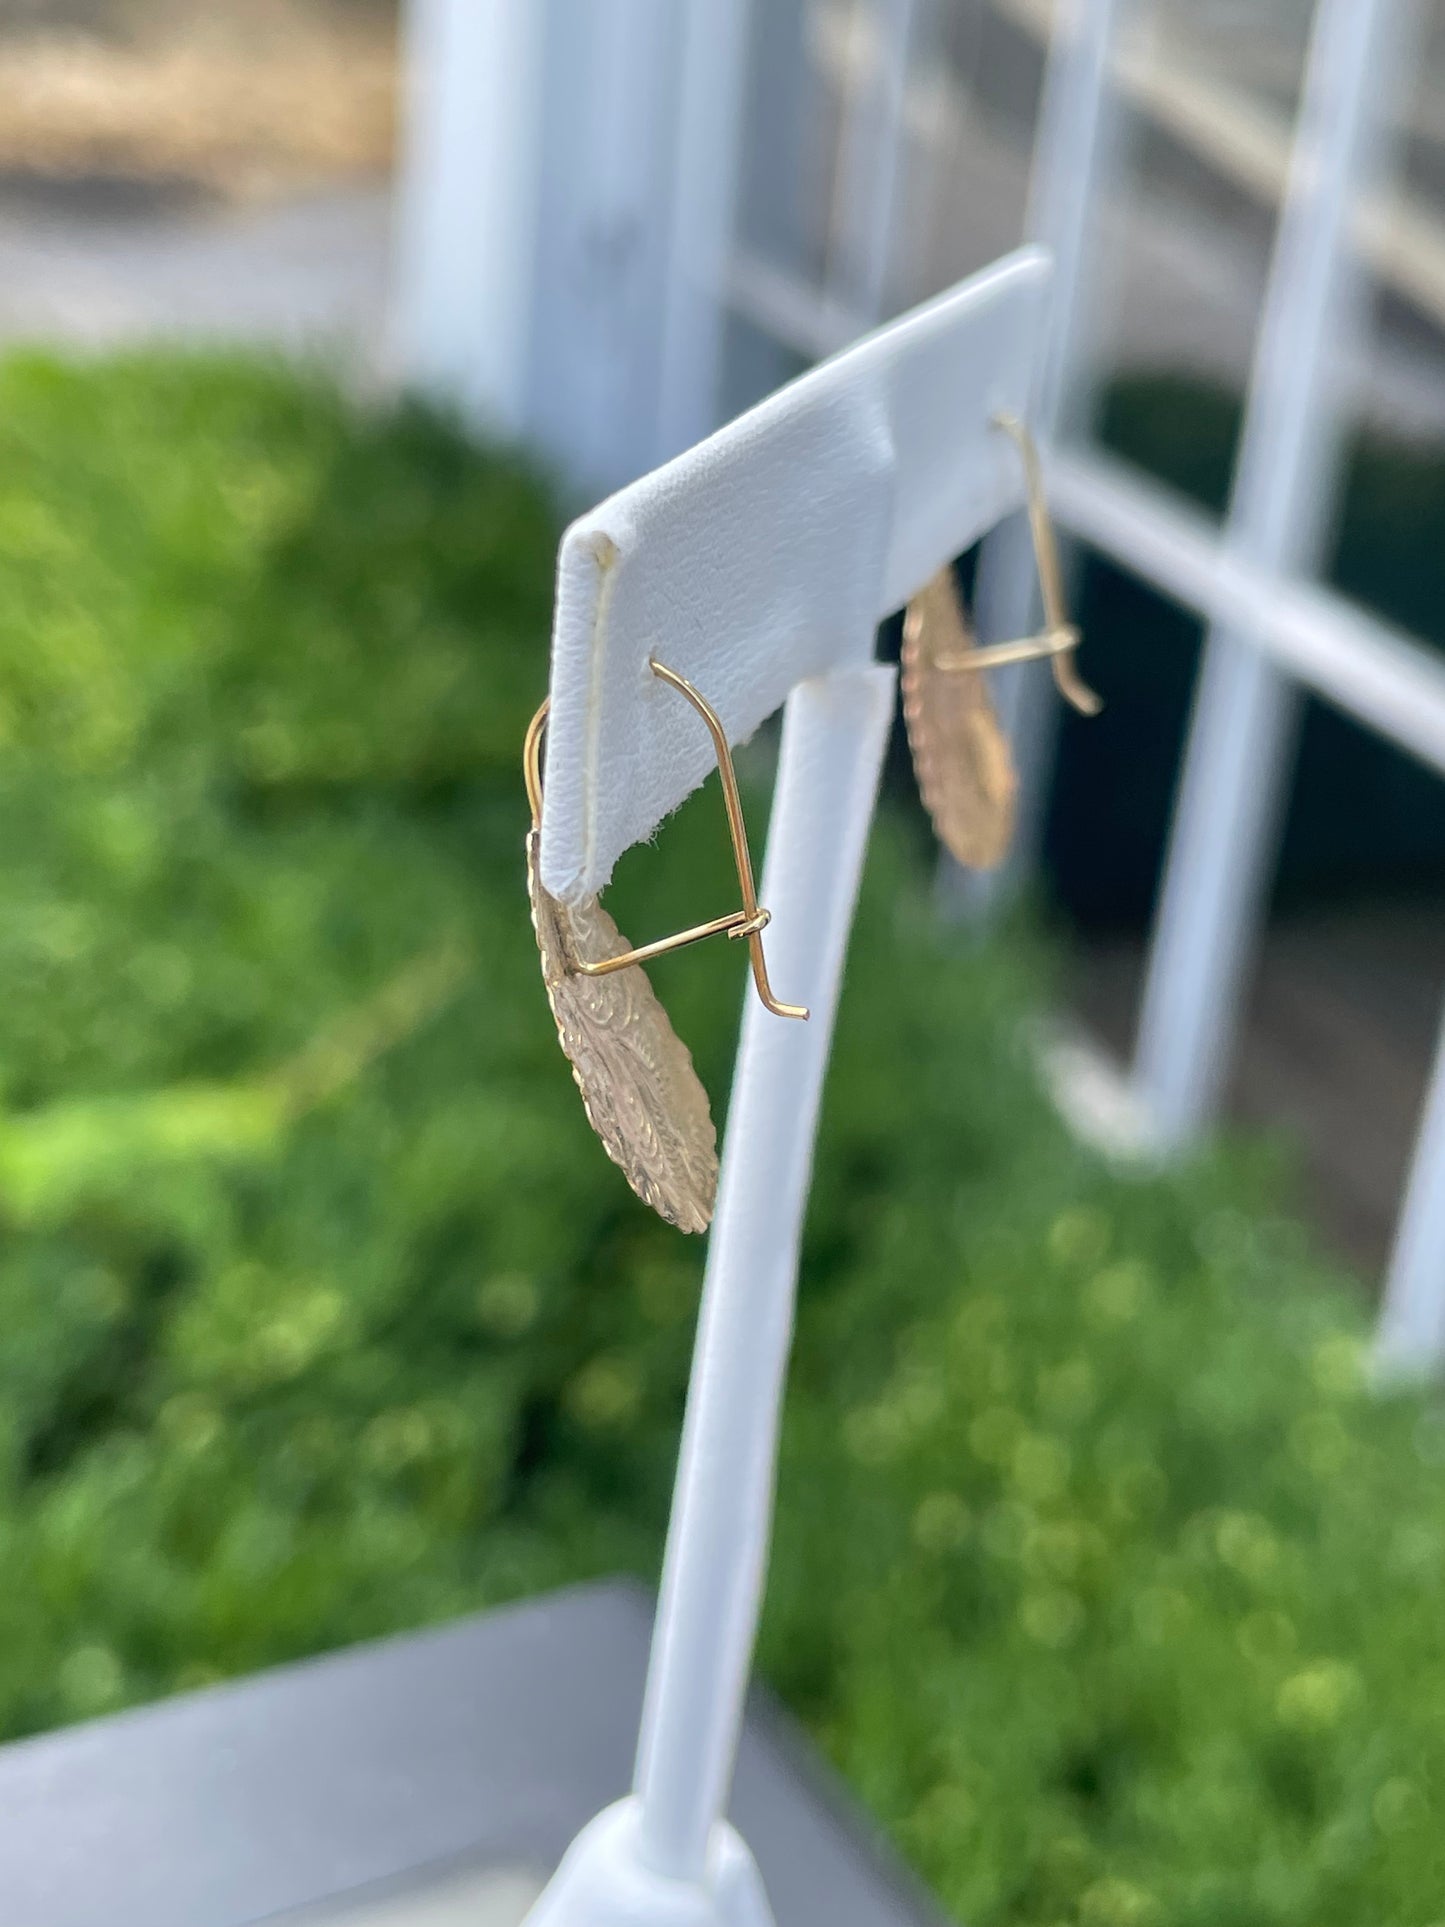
column 960, row 753
column 639, row 1089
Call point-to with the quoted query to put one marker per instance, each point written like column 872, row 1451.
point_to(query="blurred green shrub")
column 322, row 1314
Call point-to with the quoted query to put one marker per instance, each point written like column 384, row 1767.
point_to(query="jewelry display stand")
column 758, row 565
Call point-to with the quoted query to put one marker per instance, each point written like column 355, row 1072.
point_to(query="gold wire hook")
column 1059, row 637
column 748, row 923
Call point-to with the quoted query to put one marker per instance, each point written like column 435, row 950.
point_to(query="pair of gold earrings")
column 639, row 1088
column 960, row 753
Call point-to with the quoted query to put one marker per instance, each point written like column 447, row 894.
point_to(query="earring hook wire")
column 748, row 923
column 1059, row 637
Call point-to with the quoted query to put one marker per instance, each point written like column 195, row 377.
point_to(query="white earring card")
column 770, row 552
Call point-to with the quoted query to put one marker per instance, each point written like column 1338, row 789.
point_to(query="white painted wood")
column 610, row 145
column 566, row 192
column 1240, row 742
column 466, row 200
column 706, row 172
column 769, row 553
column 870, row 159
column 1090, row 1090
column 1073, row 164
column 1411, row 1337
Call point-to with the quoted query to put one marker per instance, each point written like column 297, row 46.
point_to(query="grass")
column 322, row 1314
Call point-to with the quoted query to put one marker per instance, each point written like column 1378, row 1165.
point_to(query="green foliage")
column 322, row 1314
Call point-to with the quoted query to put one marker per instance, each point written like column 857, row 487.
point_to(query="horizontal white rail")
column 1362, row 665
column 788, row 306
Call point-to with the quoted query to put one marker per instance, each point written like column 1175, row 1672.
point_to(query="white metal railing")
column 1073, row 165
column 1241, row 739
column 1373, row 672
column 1270, row 634
column 1248, row 143
column 1273, row 631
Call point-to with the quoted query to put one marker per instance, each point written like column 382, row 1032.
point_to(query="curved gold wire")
column 532, row 760
column 1059, row 637
column 747, row 923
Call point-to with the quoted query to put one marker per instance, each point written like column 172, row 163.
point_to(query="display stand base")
column 603, row 1882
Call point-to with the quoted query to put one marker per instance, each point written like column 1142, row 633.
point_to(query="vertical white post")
column 611, row 117
column 467, row 202
column 1227, row 812
column 1071, row 169
column 1411, row 1338
column 712, row 105
column 1073, row 150
column 834, row 731
column 870, row 161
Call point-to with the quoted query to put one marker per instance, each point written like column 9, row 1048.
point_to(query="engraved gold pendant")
column 639, row 1089
column 960, row 753
column 641, row 1093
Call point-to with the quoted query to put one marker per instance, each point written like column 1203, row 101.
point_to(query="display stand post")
column 833, row 737
column 758, row 565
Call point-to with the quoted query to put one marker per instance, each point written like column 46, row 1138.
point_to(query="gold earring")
column 639, row 1089
column 960, row 754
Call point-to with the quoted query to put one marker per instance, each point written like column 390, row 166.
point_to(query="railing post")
column 1411, row 1338
column 1073, row 162
column 865, row 202
column 712, row 105
column 612, row 126
column 467, row 202
column 567, row 200
column 1227, row 813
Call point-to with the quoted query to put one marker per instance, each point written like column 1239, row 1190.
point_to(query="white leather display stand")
column 759, row 565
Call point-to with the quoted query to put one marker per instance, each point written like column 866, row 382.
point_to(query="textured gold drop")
column 641, row 1093
column 960, row 753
